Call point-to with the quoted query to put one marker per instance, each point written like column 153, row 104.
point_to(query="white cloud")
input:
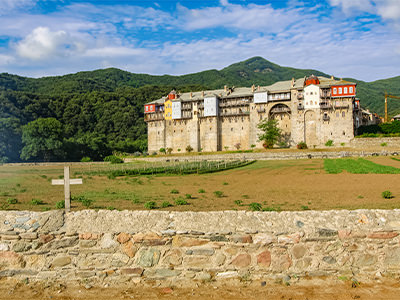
column 262, row 18
column 9, row 5
column 43, row 44
column 387, row 9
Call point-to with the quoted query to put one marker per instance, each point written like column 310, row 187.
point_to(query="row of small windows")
column 341, row 91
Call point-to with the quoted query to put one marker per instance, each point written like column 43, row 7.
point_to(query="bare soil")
column 277, row 185
column 307, row 289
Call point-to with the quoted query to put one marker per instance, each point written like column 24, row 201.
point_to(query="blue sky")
column 346, row 38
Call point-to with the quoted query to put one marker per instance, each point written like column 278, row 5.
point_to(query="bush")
column 113, row 159
column 305, row 207
column 169, row 150
column 201, row 191
column 137, row 153
column 12, row 201
column 387, row 195
column 188, row 196
column 87, row 202
column 165, row 204
column 384, row 144
column 255, row 206
column 329, row 143
column 35, row 201
column 86, row 159
column 174, row 191
column 163, row 150
column 60, row 204
column 150, row 205
column 302, row 145
column 219, row 194
column 189, row 148
column 268, row 209
column 237, row 146
column 225, row 183
column 181, row 201
column 154, row 153
column 238, row 202
column 111, row 208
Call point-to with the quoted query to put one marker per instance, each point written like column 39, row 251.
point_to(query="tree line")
column 69, row 126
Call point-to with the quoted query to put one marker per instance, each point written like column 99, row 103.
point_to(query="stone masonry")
column 177, row 247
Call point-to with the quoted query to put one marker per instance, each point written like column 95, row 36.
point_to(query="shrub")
column 154, row 153
column 387, row 195
column 12, row 201
column 342, row 144
column 226, row 148
column 188, row 196
column 252, row 146
column 384, row 144
column 329, row 143
column 189, row 148
column 225, row 183
column 268, row 209
column 86, row 159
column 150, row 205
column 219, row 194
column 87, row 202
column 179, row 149
column 255, row 206
column 137, row 153
column 181, row 201
column 110, row 207
column 163, row 150
column 201, row 191
column 113, row 159
column 305, row 207
column 237, row 146
column 35, row 201
column 60, row 204
column 169, row 150
column 238, row 202
column 302, row 145
column 174, row 191
column 165, row 204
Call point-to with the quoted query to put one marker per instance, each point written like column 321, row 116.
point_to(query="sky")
column 345, row 38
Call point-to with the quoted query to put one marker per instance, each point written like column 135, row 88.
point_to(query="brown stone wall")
column 197, row 246
column 235, row 130
column 155, row 136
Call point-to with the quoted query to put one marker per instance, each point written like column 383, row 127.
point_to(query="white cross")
column 66, row 183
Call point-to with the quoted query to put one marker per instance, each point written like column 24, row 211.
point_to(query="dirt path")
column 308, row 289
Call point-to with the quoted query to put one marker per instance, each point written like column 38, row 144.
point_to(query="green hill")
column 102, row 111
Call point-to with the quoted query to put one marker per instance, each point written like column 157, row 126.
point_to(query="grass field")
column 264, row 185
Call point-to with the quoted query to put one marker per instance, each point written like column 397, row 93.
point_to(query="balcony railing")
column 154, row 117
column 325, row 105
column 235, row 113
column 341, row 105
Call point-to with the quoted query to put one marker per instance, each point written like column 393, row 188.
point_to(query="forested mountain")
column 101, row 111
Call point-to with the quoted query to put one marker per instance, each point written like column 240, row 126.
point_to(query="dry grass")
column 276, row 185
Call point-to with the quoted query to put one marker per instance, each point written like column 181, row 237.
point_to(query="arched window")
column 343, row 114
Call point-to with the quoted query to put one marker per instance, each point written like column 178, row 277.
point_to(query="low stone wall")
column 175, row 248
column 375, row 143
column 284, row 155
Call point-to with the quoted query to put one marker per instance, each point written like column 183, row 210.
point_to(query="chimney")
column 225, row 88
column 191, row 94
column 341, row 79
column 292, row 84
column 333, row 77
column 253, row 87
column 258, row 88
column 202, row 93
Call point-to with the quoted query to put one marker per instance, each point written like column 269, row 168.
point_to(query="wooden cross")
column 66, row 183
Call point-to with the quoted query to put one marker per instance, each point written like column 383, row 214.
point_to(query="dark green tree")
column 271, row 133
column 42, row 139
column 10, row 139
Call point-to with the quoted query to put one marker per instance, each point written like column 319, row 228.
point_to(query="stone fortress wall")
column 175, row 248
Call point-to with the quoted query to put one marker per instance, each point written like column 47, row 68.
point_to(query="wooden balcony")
column 341, row 105
column 234, row 113
column 153, row 117
column 325, row 105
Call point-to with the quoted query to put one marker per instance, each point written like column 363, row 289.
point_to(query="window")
column 343, row 114
column 345, row 90
column 351, row 90
column 335, row 90
column 340, row 91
